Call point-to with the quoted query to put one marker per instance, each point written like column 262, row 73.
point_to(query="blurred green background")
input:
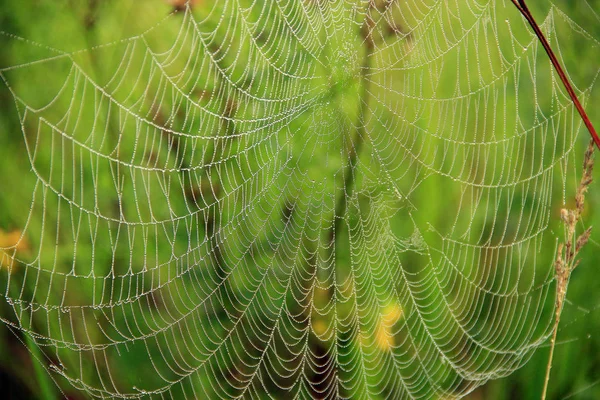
column 74, row 26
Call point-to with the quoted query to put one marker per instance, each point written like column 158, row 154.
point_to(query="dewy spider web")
column 253, row 210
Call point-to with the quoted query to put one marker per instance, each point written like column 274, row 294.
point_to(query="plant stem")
column 551, row 355
column 358, row 139
column 566, row 258
column 563, row 271
column 522, row 7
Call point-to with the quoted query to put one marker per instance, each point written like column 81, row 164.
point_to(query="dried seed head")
column 569, row 253
column 588, row 160
column 564, row 215
column 586, row 177
column 583, row 239
column 559, row 263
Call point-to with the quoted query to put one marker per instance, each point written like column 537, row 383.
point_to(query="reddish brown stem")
column 522, row 7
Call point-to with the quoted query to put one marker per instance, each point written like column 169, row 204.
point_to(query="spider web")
column 245, row 202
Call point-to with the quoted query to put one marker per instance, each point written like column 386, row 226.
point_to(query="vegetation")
column 268, row 244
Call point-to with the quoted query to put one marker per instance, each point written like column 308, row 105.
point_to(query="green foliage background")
column 75, row 25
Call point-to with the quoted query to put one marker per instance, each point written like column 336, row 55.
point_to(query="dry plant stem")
column 551, row 355
column 566, row 259
column 567, row 252
column 522, row 7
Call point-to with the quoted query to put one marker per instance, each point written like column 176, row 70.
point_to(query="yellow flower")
column 384, row 338
column 319, row 327
column 9, row 243
column 391, row 314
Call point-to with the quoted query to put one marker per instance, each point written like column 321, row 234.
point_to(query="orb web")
column 310, row 199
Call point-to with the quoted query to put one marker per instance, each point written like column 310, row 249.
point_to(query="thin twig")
column 522, row 7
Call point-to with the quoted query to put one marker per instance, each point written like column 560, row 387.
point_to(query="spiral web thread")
column 254, row 209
